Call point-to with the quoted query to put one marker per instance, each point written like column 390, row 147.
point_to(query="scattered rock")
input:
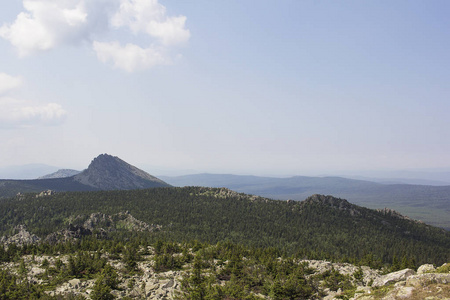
column 150, row 285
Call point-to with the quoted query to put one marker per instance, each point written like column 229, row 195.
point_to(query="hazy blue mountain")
column 422, row 177
column 62, row 173
column 394, row 180
column 430, row 204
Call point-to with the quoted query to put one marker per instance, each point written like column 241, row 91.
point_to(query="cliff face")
column 108, row 172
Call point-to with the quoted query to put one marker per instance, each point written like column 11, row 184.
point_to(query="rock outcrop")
column 97, row 223
column 100, row 224
column 21, row 237
column 45, row 193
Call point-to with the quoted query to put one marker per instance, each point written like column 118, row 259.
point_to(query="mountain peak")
column 107, row 172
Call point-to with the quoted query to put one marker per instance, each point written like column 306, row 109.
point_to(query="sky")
column 245, row 87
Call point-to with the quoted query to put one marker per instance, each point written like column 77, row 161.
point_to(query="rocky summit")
column 108, row 172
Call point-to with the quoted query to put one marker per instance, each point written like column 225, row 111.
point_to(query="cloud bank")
column 47, row 24
column 15, row 113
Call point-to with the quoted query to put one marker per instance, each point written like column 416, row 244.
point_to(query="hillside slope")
column 319, row 227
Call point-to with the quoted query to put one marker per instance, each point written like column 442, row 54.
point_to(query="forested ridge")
column 321, row 227
column 423, row 202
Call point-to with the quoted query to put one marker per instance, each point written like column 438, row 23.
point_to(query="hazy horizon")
column 438, row 176
column 242, row 87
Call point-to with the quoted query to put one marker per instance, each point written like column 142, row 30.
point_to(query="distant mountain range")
column 105, row 172
column 430, row 204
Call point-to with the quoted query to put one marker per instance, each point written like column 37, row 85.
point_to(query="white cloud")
column 16, row 113
column 130, row 57
column 50, row 113
column 46, row 24
column 171, row 31
column 8, row 83
column 150, row 17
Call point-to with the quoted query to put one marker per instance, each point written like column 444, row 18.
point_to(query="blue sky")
column 247, row 87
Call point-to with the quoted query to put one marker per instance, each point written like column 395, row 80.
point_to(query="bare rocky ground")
column 144, row 284
column 427, row 283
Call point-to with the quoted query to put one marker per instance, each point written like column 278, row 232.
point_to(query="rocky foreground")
column 147, row 283
column 168, row 270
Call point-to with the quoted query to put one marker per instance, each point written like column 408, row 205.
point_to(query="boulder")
column 425, row 269
column 393, row 277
